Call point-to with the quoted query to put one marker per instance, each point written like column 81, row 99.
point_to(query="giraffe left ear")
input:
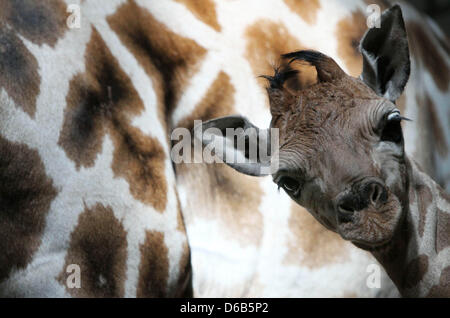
column 386, row 64
column 238, row 143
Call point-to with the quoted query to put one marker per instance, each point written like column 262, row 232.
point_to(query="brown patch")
column 318, row 245
column 219, row 192
column 266, row 41
column 103, row 100
column 41, row 22
column 18, row 71
column 99, row 246
column 184, row 286
column 439, row 140
column 140, row 160
column 442, row 230
column 443, row 289
column 154, row 267
column 26, row 193
column 204, row 10
column 306, row 9
column 443, row 39
column 424, row 199
column 349, row 32
column 222, row 192
column 443, row 194
column 180, row 220
column 415, row 271
column 401, row 103
column 169, row 59
column 424, row 49
column 217, row 102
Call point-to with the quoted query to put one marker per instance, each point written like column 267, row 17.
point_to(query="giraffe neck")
column 418, row 258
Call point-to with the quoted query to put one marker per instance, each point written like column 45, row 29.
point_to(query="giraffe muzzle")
column 369, row 192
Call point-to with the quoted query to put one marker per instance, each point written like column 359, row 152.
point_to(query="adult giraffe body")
column 85, row 116
column 86, row 174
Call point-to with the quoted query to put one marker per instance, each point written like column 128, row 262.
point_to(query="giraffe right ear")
column 386, row 64
column 238, row 143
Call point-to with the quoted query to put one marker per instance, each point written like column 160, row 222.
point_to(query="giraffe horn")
column 327, row 68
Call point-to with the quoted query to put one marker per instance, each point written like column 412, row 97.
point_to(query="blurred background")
column 439, row 10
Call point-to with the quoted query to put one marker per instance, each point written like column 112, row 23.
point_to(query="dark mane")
column 281, row 74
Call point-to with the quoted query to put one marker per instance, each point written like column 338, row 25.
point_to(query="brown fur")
column 184, row 284
column 439, row 140
column 26, row 193
column 154, row 267
column 148, row 39
column 217, row 102
column 443, row 288
column 423, row 48
column 18, row 71
column 227, row 196
column 103, row 100
column 306, row 9
column 314, row 107
column 204, row 10
column 428, row 163
column 319, row 246
column 424, row 199
column 41, row 22
column 266, row 41
column 181, row 227
column 99, row 246
column 349, row 33
column 222, row 187
column 443, row 39
column 401, row 103
column 415, row 271
column 442, row 230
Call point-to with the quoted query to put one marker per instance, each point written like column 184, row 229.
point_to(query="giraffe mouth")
column 377, row 247
column 373, row 228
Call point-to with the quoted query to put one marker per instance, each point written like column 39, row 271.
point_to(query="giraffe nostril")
column 345, row 212
column 377, row 193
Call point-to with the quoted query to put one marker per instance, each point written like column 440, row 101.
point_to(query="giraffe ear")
column 237, row 143
column 386, row 64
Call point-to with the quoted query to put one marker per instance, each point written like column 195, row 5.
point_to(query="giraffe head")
column 341, row 150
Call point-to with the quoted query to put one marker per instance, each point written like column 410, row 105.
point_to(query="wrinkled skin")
column 315, row 170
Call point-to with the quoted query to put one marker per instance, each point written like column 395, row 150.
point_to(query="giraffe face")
column 343, row 159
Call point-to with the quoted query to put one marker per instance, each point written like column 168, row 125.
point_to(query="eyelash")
column 294, row 190
column 392, row 130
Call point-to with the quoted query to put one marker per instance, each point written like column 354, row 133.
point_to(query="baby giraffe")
column 341, row 156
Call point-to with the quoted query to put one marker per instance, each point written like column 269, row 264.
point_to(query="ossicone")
column 327, row 69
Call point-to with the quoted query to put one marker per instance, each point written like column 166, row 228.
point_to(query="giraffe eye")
column 289, row 184
column 392, row 130
column 395, row 115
